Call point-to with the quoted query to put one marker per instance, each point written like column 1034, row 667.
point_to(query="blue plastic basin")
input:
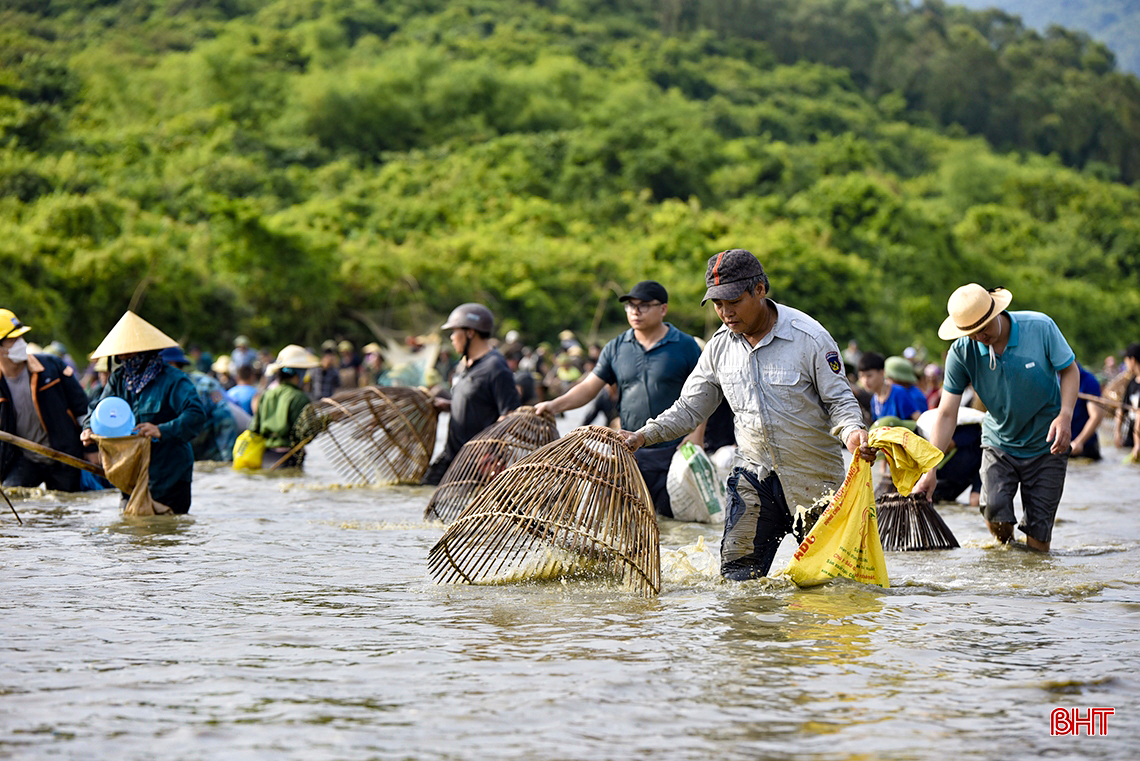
column 112, row 417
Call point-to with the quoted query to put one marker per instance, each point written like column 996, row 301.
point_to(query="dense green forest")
column 303, row 169
column 1113, row 22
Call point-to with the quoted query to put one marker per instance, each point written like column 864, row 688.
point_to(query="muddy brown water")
column 289, row 618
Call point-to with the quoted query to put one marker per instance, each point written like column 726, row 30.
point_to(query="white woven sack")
column 696, row 492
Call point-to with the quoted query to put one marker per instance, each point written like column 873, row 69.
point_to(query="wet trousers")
column 756, row 521
column 53, row 475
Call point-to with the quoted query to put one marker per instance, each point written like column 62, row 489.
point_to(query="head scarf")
column 141, row 369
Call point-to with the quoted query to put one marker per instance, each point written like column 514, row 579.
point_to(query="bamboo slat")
column 912, row 523
column 576, row 505
column 53, row 454
column 482, row 458
column 1107, row 402
column 378, row 434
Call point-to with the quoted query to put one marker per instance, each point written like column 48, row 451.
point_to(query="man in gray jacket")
column 782, row 374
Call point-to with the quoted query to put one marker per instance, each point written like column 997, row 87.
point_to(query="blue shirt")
column 218, row 436
column 242, row 395
column 649, row 381
column 919, row 398
column 900, row 403
column 1089, row 385
column 1021, row 394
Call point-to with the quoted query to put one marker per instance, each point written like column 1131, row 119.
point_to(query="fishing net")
column 1114, row 389
column 576, row 505
column 376, row 435
column 912, row 523
column 126, row 464
column 487, row 455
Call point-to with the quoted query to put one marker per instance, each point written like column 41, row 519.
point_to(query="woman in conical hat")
column 279, row 408
column 163, row 400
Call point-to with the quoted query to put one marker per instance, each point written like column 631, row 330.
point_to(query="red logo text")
column 1068, row 721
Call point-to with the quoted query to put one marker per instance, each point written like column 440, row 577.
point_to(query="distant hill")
column 1116, row 23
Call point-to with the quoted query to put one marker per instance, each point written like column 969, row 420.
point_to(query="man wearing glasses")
column 649, row 363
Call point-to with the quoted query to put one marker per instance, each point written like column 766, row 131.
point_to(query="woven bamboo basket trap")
column 482, row 458
column 575, row 506
column 912, row 523
column 378, row 435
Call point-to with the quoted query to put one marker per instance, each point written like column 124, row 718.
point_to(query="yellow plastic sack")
column 248, row 450
column 908, row 454
column 845, row 540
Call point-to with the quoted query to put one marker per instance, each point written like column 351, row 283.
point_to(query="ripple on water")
column 292, row 619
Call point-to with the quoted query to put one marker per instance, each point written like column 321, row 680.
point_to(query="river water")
column 289, row 618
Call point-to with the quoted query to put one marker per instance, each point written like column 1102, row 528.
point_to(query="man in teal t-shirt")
column 1013, row 360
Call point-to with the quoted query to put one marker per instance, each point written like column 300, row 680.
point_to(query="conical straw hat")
column 132, row 334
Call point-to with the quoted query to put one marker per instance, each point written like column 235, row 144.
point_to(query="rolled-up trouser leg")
column 757, row 520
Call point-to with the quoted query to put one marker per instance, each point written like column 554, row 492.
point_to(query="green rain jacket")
column 277, row 413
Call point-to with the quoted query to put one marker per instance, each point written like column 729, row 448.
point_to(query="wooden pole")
column 1106, row 402
column 290, row 453
column 40, row 449
column 21, row 520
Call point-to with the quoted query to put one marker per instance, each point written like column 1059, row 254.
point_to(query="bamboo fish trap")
column 482, row 458
column 378, row 435
column 578, row 504
column 912, row 523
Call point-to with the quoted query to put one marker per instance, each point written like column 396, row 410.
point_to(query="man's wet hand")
column 926, row 484
column 632, row 439
column 857, row 446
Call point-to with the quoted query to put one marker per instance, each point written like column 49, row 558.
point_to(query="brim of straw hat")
column 949, row 330
column 132, row 334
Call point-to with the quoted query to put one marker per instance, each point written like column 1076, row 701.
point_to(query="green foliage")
column 1112, row 21
column 299, row 170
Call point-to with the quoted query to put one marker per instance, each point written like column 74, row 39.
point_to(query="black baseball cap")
column 647, row 290
column 728, row 273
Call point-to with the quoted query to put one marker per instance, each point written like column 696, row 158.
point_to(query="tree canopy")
column 300, row 169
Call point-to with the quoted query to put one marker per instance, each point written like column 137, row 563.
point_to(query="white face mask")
column 18, row 352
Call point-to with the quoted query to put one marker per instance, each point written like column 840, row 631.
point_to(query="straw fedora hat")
column 130, row 335
column 971, row 307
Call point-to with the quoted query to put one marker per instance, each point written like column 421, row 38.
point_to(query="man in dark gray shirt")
column 649, row 363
